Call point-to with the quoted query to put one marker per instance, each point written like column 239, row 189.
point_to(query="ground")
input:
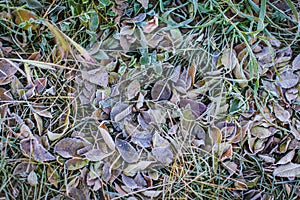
column 147, row 99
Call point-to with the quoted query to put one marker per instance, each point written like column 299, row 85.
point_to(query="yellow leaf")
column 22, row 15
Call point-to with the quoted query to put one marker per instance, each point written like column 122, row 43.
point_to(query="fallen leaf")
column 52, row 176
column 267, row 159
column 77, row 194
column 6, row 69
column 261, row 132
column 164, row 155
column 132, row 169
column 139, row 18
column 5, row 95
column 32, row 178
column 287, row 158
column 290, row 170
column 43, row 113
column 32, row 149
column 144, row 3
column 133, row 89
column 281, row 114
column 126, row 30
column 22, row 15
column 291, row 94
column 53, row 136
column 142, row 138
column 76, row 163
column 197, row 108
column 161, row 91
column 25, row 131
column 96, row 76
column 23, row 168
column 287, row 79
column 159, row 141
column 68, row 147
column 96, row 155
column 129, row 182
column 127, row 151
column 151, row 25
column 40, row 84
column 152, row 193
column 296, row 63
column 107, row 138
column 229, row 59
column 140, row 181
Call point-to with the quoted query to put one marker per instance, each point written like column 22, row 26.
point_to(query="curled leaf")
column 151, row 25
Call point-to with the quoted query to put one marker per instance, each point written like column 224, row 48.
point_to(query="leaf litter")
column 145, row 102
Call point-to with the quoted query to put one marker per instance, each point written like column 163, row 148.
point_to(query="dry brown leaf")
column 261, row 132
column 142, row 138
column 6, row 69
column 287, row 79
column 125, row 44
column 152, row 193
column 32, row 149
column 68, row 147
column 23, row 168
column 77, row 194
column 133, row 89
column 144, row 3
column 127, row 151
column 25, row 132
column 22, row 15
column 43, row 113
column 107, row 138
column 197, row 108
column 32, row 178
column 229, row 59
column 96, row 155
column 126, row 30
column 52, row 176
column 291, row 94
column 5, row 95
column 230, row 166
column 151, row 25
column 281, row 114
column 96, row 76
column 287, row 158
column 161, row 91
column 163, row 155
column 132, row 169
column 296, row 63
column 159, row 141
column 40, row 84
column 129, row 182
column 290, row 170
